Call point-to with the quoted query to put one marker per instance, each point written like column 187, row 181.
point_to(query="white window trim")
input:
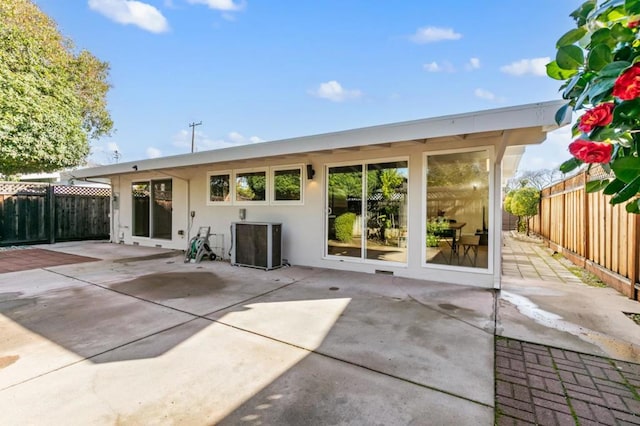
column 231, row 187
column 364, row 163
column 491, row 240
column 267, row 189
column 272, row 193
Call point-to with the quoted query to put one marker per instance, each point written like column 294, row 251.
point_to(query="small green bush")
column 344, row 226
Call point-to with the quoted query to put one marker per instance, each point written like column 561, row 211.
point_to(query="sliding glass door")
column 367, row 211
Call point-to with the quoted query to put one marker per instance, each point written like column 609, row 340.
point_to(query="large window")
column 457, row 206
column 367, row 205
column 152, row 208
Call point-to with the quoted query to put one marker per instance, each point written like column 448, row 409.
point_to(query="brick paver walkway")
column 24, row 259
column 536, row 384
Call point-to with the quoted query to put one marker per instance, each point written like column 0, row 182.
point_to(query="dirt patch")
column 172, row 285
column 23, row 260
column 6, row 361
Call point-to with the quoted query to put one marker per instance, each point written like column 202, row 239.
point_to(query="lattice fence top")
column 28, row 188
column 87, row 191
column 23, row 188
column 598, row 173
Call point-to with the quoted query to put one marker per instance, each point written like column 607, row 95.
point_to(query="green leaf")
column 627, row 192
column 562, row 113
column 627, row 111
column 621, row 33
column 557, row 73
column 633, row 207
column 602, row 36
column 599, row 89
column 615, row 186
column 569, row 165
column 574, row 87
column 599, row 57
column 571, row 37
column 632, row 7
column 626, row 168
column 580, row 14
column 614, row 69
column 596, row 185
column 570, row 57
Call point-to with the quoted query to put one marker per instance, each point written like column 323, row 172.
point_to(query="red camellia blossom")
column 633, row 24
column 591, row 152
column 600, row 115
column 627, row 85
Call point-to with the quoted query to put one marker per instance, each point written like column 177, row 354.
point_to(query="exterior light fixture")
column 310, row 172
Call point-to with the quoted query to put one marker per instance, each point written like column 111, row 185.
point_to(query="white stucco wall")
column 303, row 228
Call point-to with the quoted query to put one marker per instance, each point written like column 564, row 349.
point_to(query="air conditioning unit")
column 257, row 244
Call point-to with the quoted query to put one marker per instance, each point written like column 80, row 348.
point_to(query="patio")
column 144, row 336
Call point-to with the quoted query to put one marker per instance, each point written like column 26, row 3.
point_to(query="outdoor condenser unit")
column 257, row 244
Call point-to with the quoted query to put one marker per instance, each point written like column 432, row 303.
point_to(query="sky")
column 253, row 71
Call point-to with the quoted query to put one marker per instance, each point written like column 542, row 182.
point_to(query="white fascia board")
column 522, row 116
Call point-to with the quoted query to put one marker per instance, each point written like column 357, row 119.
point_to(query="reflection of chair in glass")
column 469, row 244
column 449, row 236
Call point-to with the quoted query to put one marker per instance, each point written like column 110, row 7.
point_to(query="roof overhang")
column 509, row 127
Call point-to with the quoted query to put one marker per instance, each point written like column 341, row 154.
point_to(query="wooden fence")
column 592, row 233
column 42, row 213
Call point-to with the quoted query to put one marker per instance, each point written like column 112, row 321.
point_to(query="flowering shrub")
column 599, row 62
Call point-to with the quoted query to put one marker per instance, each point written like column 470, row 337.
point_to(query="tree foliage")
column 52, row 99
column 522, row 202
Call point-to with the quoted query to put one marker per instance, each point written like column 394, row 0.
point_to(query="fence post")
column 52, row 214
column 634, row 257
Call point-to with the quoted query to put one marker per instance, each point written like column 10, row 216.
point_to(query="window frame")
column 364, row 163
column 490, row 150
column 151, row 232
column 300, row 167
column 229, row 174
column 267, row 187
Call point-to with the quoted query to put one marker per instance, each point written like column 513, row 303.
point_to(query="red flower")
column 633, row 24
column 591, row 152
column 600, row 115
column 627, row 85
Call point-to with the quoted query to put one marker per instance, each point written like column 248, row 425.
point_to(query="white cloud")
column 203, row 142
column 153, row 152
column 132, row 12
column 534, row 66
column 333, row 91
column 112, row 146
column 433, row 34
column 473, row 64
column 487, row 95
column 436, row 67
column 223, row 5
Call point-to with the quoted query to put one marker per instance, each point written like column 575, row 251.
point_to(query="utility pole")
column 193, row 133
column 116, row 155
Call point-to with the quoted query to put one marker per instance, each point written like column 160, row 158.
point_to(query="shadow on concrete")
column 89, row 320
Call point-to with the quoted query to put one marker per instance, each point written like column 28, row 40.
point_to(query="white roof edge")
column 521, row 116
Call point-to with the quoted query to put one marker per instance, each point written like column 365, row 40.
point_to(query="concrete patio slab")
column 49, row 321
column 398, row 327
column 126, row 341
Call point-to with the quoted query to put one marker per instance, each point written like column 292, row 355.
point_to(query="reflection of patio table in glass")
column 453, row 231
